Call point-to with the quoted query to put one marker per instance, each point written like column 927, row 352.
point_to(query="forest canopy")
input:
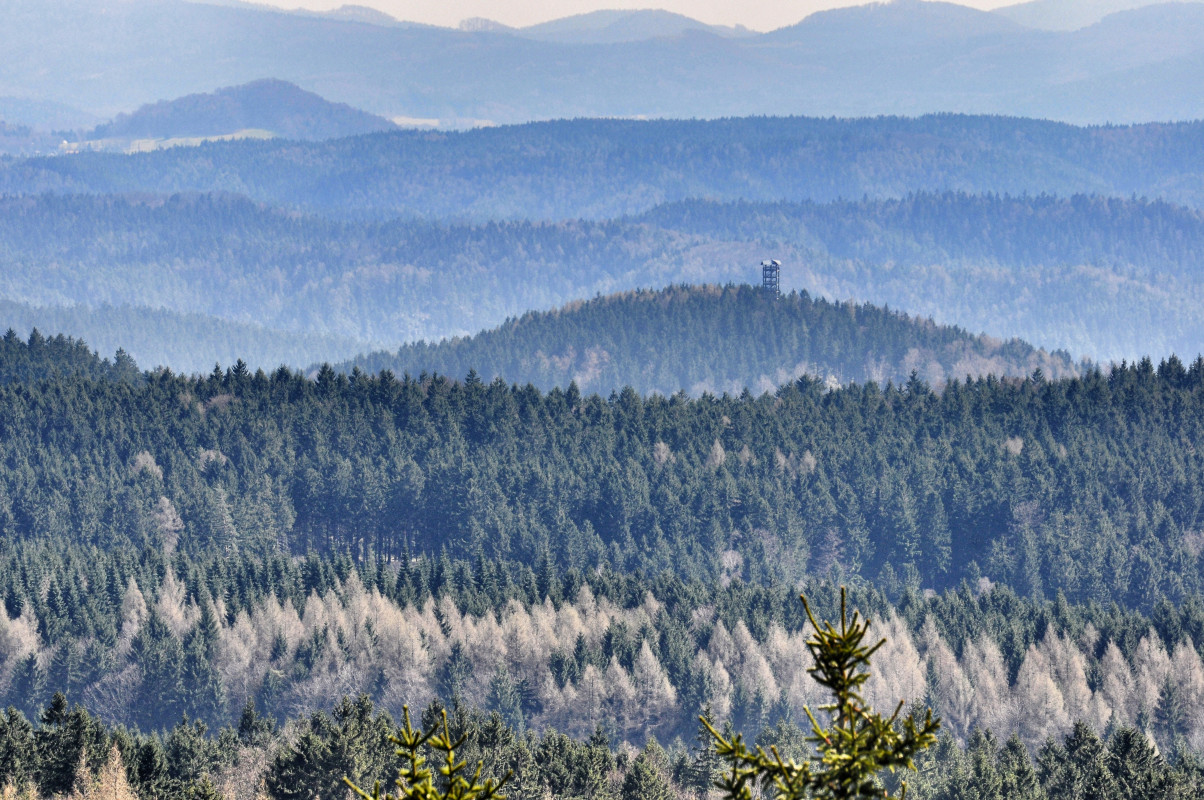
column 716, row 339
column 601, row 568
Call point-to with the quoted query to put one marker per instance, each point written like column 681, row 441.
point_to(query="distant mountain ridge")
column 617, row 26
column 902, row 23
column 1070, row 15
column 275, row 106
column 905, row 58
column 602, row 169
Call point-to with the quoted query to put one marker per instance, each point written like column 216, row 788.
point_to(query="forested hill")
column 567, row 558
column 1146, row 237
column 715, row 339
column 278, row 107
column 604, row 168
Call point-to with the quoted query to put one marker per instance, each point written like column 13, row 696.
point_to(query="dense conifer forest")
column 579, row 531
column 226, row 562
column 716, row 339
column 1084, row 485
column 490, row 426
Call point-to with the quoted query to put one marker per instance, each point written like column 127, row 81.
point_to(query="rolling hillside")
column 1101, row 278
column 1069, row 15
column 605, row 168
column 716, row 339
column 615, row 26
column 276, row 107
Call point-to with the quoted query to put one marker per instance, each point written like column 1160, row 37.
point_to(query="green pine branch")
column 857, row 745
column 416, row 781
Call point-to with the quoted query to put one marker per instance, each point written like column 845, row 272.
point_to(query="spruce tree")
column 644, row 781
column 858, row 742
column 416, row 781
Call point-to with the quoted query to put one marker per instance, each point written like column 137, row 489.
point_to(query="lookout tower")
column 771, row 276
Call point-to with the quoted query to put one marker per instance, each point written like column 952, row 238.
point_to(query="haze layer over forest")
column 216, row 277
column 884, row 58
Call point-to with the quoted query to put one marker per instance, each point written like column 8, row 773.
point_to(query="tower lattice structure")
column 771, row 276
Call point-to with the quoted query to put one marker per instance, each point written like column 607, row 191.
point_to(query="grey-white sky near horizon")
column 761, row 15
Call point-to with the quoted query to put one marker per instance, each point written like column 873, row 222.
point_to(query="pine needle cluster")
column 416, row 781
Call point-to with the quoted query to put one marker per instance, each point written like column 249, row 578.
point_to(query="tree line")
column 69, row 753
column 632, row 655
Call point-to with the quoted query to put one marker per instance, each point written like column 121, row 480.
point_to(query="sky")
column 761, row 15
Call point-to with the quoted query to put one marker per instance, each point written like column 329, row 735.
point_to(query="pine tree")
column 1134, row 765
column 206, row 695
column 856, row 746
column 707, row 765
column 27, row 685
column 203, row 789
column 416, row 781
column 350, row 742
column 18, row 751
column 507, row 699
column 67, row 737
column 644, row 781
column 254, row 729
column 1078, row 769
column 1019, row 777
column 151, row 769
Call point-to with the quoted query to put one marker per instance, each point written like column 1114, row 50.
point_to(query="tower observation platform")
column 771, row 276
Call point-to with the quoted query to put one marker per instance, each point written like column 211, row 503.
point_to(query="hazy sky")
column 757, row 14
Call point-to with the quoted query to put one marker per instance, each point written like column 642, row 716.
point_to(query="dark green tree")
column 352, row 742
column 416, row 781
column 65, row 736
column 857, row 744
column 644, row 781
column 18, row 749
